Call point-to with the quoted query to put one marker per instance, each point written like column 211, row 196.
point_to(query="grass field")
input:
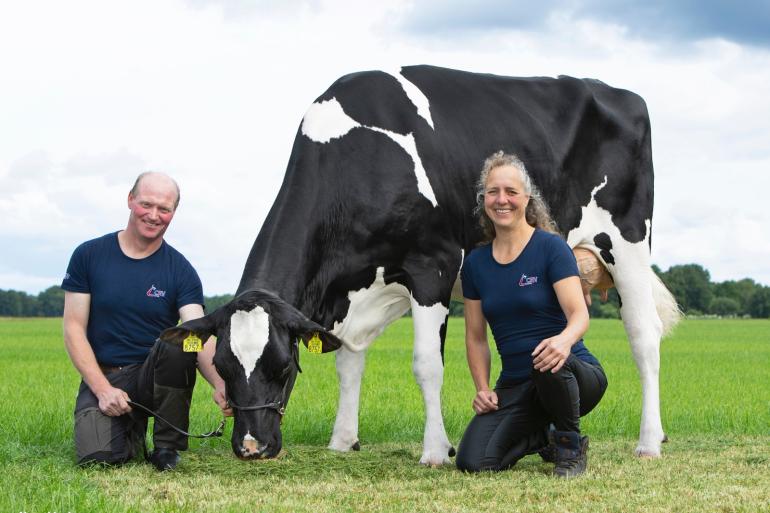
column 715, row 388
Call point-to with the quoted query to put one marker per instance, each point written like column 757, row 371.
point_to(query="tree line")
column 690, row 283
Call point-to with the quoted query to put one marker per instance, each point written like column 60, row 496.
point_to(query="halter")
column 280, row 405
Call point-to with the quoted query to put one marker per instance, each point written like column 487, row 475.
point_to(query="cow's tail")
column 665, row 304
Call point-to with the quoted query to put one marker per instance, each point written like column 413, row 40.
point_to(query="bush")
column 724, row 306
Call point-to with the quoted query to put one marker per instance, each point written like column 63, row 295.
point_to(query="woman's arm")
column 552, row 353
column 477, row 351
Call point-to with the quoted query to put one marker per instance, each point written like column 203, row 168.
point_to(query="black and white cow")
column 375, row 215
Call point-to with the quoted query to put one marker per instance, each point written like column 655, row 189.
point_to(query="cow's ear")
column 310, row 333
column 203, row 328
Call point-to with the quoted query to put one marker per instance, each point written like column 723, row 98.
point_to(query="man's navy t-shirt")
column 518, row 300
column 132, row 300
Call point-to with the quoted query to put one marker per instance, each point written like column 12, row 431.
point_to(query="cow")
column 376, row 213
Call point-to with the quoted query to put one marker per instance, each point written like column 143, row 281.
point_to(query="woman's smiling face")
column 505, row 198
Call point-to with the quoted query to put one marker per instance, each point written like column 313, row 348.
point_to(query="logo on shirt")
column 527, row 280
column 154, row 292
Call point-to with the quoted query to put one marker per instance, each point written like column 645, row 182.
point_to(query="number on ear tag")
column 314, row 345
column 192, row 344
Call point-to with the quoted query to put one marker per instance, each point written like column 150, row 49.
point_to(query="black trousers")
column 498, row 439
column 163, row 382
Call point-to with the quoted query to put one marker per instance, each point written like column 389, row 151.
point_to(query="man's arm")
column 206, row 359
column 112, row 401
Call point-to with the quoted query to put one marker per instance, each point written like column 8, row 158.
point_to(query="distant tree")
column 214, row 302
column 14, row 303
column 10, row 303
column 724, row 306
column 690, row 285
column 741, row 291
column 759, row 303
column 50, row 302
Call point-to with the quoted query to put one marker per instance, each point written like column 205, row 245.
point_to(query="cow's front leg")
column 428, row 370
column 350, row 368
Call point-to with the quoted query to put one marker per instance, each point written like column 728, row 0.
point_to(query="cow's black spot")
column 603, row 242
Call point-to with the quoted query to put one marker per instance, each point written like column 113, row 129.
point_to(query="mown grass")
column 715, row 388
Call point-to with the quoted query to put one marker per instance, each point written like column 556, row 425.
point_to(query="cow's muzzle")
column 251, row 448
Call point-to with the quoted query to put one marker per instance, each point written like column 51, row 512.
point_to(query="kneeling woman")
column 525, row 283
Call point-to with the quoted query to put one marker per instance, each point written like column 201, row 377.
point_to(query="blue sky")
column 212, row 92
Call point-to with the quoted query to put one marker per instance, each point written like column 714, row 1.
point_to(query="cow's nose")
column 251, row 448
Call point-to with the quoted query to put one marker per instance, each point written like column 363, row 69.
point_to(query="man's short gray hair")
column 135, row 189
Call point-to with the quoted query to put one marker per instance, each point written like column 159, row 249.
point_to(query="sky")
column 212, row 91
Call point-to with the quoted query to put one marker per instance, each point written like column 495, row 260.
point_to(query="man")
column 121, row 290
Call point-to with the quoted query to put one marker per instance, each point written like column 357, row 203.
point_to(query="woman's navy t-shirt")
column 132, row 300
column 518, row 300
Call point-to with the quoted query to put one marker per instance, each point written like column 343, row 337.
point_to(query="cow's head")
column 256, row 355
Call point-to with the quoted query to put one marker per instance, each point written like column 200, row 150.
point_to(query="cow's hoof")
column 345, row 446
column 434, row 460
column 665, row 438
column 452, row 452
column 647, row 452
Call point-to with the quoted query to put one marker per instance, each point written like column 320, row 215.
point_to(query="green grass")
column 715, row 398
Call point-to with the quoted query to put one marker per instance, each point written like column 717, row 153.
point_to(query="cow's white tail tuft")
column 665, row 304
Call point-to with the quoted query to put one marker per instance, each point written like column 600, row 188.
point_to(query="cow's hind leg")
column 350, row 369
column 634, row 281
column 428, row 368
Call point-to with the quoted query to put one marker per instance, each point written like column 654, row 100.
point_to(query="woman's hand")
column 485, row 401
column 552, row 353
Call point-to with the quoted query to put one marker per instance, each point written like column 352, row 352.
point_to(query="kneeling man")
column 121, row 291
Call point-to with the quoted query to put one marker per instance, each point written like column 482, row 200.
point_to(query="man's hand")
column 221, row 399
column 485, row 401
column 113, row 401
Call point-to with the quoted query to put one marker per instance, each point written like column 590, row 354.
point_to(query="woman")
column 525, row 283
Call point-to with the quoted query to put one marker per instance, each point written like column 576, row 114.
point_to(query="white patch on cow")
column 327, row 120
column 429, row 374
column 648, row 309
column 249, row 334
column 371, row 309
column 409, row 146
column 416, row 96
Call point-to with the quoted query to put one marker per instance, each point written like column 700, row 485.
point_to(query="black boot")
column 164, row 458
column 571, row 453
column 548, row 453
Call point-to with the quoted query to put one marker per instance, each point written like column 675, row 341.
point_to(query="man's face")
column 152, row 208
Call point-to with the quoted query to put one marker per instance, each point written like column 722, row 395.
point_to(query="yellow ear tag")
column 192, row 344
column 314, row 344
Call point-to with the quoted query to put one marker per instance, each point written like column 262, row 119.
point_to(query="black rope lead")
column 216, row 433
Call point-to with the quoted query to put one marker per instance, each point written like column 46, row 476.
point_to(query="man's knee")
column 103, row 439
column 173, row 366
